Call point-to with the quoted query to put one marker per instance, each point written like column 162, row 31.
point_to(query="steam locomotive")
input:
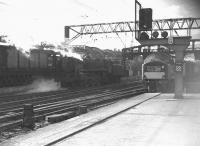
column 18, row 68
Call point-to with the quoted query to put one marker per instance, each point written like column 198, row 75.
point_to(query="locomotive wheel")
column 89, row 83
column 96, row 83
column 92, row 83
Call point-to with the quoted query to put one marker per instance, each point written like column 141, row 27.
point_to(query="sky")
column 28, row 22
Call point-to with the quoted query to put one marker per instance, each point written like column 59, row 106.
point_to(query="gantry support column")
column 179, row 63
column 179, row 44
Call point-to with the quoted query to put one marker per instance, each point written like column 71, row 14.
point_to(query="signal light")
column 155, row 34
column 145, row 19
column 164, row 34
column 144, row 36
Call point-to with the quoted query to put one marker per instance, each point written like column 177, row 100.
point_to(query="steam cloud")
column 39, row 85
column 44, row 85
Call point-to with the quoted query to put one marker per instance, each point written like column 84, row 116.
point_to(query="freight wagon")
column 192, row 77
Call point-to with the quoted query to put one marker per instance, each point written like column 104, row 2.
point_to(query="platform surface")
column 160, row 121
column 54, row 132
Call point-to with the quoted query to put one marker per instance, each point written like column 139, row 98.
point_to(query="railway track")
column 16, row 103
column 59, row 102
column 20, row 96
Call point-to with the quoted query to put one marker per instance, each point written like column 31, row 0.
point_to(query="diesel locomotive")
column 158, row 72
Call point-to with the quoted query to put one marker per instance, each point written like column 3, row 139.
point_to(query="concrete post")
column 81, row 110
column 179, row 59
column 28, row 117
column 180, row 45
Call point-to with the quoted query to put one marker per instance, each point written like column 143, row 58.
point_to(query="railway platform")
column 150, row 119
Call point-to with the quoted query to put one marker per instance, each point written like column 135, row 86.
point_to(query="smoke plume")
column 39, row 85
column 44, row 85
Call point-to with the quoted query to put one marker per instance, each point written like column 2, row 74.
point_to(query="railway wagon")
column 192, row 77
column 158, row 72
column 13, row 66
column 192, row 72
column 17, row 68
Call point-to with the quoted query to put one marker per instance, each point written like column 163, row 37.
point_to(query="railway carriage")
column 192, row 76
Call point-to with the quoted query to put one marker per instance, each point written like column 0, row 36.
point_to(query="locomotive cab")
column 154, row 70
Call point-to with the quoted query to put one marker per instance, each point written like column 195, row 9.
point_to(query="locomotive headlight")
column 162, row 67
column 144, row 36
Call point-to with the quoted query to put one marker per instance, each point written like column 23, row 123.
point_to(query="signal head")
column 155, row 34
column 144, row 36
column 164, row 34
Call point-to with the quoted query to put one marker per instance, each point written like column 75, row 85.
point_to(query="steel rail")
column 41, row 112
column 35, row 100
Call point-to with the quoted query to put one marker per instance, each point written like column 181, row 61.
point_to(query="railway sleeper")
column 60, row 117
column 10, row 125
column 53, row 108
column 14, row 115
column 66, row 113
column 67, row 105
column 10, row 117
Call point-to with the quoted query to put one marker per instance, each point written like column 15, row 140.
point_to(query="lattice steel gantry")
column 160, row 25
